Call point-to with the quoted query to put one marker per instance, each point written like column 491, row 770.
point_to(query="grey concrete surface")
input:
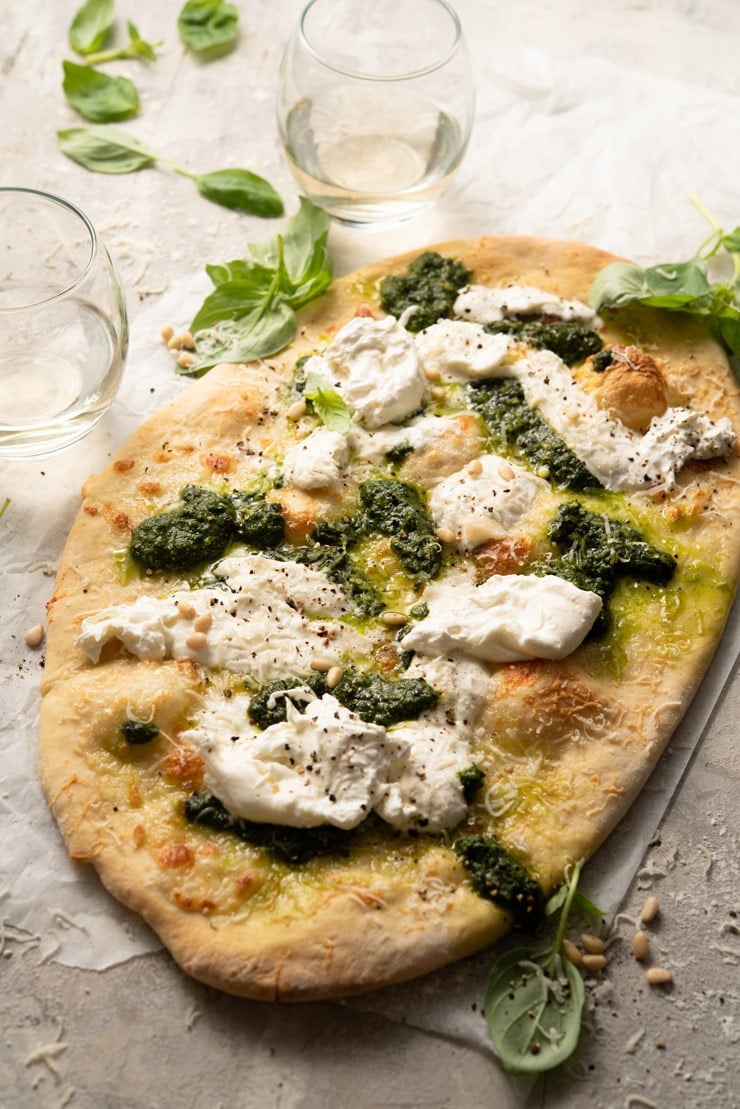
column 142, row 1035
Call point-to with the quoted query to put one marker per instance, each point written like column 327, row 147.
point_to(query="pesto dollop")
column 294, row 846
column 569, row 339
column 471, row 779
column 597, row 550
column 200, row 528
column 371, row 697
column 395, row 508
column 137, row 732
column 516, row 427
column 430, row 284
column 497, row 876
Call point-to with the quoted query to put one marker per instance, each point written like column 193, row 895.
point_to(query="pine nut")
column 187, row 342
column 572, row 953
column 173, row 343
column 431, row 373
column 650, row 910
column 321, row 664
column 334, row 677
column 393, row 619
column 185, row 360
column 592, row 944
column 34, row 636
column 658, row 976
column 437, row 392
column 203, row 622
column 186, row 610
column 505, row 471
column 594, row 962
column 296, row 410
column 446, row 535
column 475, row 467
column 640, row 945
column 167, row 333
column 196, row 641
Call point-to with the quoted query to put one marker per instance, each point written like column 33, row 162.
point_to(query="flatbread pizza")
column 355, row 649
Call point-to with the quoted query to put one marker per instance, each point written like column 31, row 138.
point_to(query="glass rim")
column 61, row 202
column 390, row 78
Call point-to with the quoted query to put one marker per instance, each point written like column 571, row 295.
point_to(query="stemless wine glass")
column 375, row 106
column 63, row 330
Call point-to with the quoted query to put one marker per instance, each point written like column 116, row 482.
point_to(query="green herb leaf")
column 682, row 287
column 240, row 190
column 104, row 150
column 90, row 26
column 97, row 96
column 137, row 47
column 328, row 405
column 251, row 312
column 208, row 26
column 533, row 1010
column 580, row 902
column 534, row 998
column 4, row 507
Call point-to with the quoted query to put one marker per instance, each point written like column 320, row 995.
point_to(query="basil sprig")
column 251, row 312
column 208, row 27
column 534, row 999
column 97, row 96
column 683, row 286
column 109, row 150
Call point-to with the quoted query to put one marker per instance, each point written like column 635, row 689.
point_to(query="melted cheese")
column 460, row 351
column 508, row 618
column 317, row 461
column 481, row 304
column 375, row 366
column 488, row 499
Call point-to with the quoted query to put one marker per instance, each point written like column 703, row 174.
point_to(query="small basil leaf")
column 533, row 1016
column 241, row 269
column 240, row 190
column 207, row 26
column 104, row 149
column 257, row 335
column 139, row 47
column 90, row 26
column 731, row 241
column 617, row 284
column 307, row 264
column 328, row 405
column 97, row 96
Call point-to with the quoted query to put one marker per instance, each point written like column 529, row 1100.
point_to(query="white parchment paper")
column 568, row 147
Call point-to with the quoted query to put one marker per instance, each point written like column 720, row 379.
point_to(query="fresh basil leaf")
column 258, row 334
column 307, row 264
column 240, row 190
column 533, row 1005
column 208, row 26
column 139, row 47
column 241, row 269
column 90, row 26
column 617, row 284
column 328, row 405
column 97, row 96
column 104, row 149
column 686, row 280
column 235, row 298
column 731, row 241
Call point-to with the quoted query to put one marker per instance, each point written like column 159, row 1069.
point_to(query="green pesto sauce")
column 138, row 732
column 201, row 527
column 396, row 509
column 430, row 285
column 569, row 339
column 515, row 427
column 368, row 695
column 497, row 876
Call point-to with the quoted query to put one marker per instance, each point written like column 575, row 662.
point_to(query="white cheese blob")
column 420, row 433
column 317, row 461
column 375, row 366
column 267, row 622
column 481, row 304
column 461, row 351
column 321, row 766
column 620, row 458
column 509, row 618
column 424, row 791
column 488, row 499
